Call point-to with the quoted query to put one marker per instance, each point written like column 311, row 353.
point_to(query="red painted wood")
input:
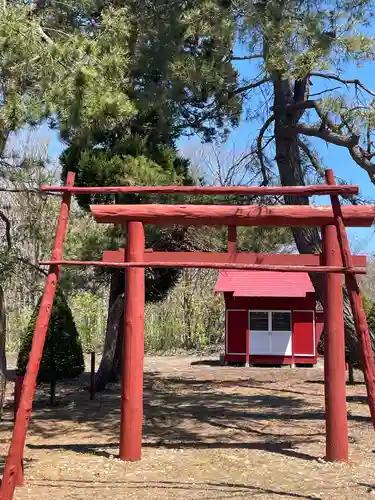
column 92, row 376
column 224, row 258
column 271, row 360
column 237, row 325
column 270, row 303
column 18, row 381
column 356, row 303
column 133, row 349
column 119, row 255
column 232, row 242
column 232, row 215
column 214, row 190
column 334, row 354
column 303, row 333
column 17, row 396
column 24, row 411
column 208, row 265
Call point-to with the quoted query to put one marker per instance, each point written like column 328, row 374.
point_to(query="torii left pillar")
column 133, row 347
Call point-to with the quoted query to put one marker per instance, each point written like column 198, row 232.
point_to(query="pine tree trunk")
column 351, row 373
column 2, row 351
column 110, row 365
column 289, row 165
column 52, row 393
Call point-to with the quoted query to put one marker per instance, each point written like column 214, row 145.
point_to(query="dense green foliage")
column 62, row 355
column 72, row 79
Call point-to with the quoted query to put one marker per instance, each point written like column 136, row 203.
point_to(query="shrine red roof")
column 263, row 283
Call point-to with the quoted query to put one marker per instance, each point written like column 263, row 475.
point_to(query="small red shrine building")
column 271, row 316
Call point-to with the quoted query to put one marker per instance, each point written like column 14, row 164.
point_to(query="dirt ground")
column 210, row 432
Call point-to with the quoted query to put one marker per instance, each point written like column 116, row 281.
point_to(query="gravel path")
column 210, row 432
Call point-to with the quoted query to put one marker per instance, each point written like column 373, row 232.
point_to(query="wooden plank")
column 40, row 331
column 345, row 189
column 225, row 258
column 17, row 395
column 232, row 215
column 133, row 349
column 337, row 444
column 232, row 242
column 355, row 297
column 210, row 265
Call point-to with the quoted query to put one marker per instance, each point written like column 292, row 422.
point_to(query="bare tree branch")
column 34, row 266
column 250, row 86
column 312, row 157
column 7, row 229
column 29, row 191
column 54, row 30
column 328, row 135
column 247, row 58
column 368, row 136
column 44, row 36
column 316, row 105
column 260, row 153
column 337, row 78
column 324, row 91
column 351, row 142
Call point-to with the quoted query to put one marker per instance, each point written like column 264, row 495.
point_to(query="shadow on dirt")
column 210, row 490
column 191, row 413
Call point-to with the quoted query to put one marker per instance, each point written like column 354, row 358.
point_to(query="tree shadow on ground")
column 370, row 487
column 321, row 382
column 357, row 399
column 207, row 362
column 191, row 413
column 219, row 490
column 26, row 462
column 101, row 449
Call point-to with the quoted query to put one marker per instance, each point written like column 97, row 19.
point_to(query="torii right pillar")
column 337, row 445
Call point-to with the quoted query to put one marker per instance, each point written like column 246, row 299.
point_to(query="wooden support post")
column 359, row 315
column 337, row 447
column 92, row 376
column 40, row 331
column 232, row 241
column 247, row 363
column 133, row 348
column 17, row 395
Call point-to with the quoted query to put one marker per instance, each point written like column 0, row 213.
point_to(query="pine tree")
column 62, row 354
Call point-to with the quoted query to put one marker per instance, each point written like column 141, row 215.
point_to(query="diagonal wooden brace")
column 13, row 463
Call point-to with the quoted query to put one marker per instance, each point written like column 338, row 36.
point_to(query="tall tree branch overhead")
column 356, row 82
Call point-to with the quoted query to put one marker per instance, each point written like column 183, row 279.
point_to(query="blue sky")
column 362, row 239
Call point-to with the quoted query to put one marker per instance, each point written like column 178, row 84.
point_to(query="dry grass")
column 210, row 432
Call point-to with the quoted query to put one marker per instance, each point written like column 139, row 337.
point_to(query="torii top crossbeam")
column 222, row 215
column 233, row 215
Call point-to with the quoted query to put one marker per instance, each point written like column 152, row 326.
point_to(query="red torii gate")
column 335, row 260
